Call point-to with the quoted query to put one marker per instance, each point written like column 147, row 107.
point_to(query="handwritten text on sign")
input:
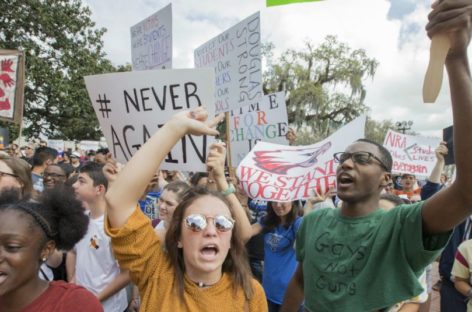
column 235, row 56
column 411, row 154
column 264, row 121
column 151, row 41
column 132, row 106
column 284, row 173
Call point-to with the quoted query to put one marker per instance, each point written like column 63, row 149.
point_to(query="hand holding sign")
column 441, row 151
column 449, row 26
column 216, row 161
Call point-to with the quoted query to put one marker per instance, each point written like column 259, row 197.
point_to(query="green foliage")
column 324, row 86
column 376, row 131
column 62, row 46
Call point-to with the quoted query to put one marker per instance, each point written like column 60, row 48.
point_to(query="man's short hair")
column 95, row 172
column 103, row 151
column 42, row 154
column 385, row 155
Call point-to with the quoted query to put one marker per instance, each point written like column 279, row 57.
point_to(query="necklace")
column 201, row 284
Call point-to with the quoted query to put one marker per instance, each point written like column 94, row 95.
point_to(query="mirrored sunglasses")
column 198, row 222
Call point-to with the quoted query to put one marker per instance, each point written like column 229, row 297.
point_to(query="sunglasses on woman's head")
column 198, row 222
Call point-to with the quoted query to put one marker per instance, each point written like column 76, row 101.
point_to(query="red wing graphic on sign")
column 280, row 161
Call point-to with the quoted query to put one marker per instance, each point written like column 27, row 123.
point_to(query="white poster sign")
column 264, row 121
column 281, row 173
column 89, row 145
column 151, row 41
column 132, row 106
column 58, row 145
column 235, row 56
column 411, row 154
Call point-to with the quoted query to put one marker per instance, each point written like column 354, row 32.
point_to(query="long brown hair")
column 236, row 262
column 271, row 221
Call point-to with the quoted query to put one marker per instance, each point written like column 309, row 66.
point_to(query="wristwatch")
column 229, row 190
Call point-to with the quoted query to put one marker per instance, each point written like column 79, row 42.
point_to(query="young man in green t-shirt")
column 361, row 258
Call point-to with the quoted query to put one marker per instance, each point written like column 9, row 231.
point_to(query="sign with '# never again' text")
column 132, row 106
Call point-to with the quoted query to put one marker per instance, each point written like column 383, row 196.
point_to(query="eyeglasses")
column 53, row 175
column 198, row 222
column 362, row 158
column 3, row 174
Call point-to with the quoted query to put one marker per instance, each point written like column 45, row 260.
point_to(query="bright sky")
column 392, row 32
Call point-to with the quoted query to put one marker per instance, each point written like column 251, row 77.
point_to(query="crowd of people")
column 96, row 235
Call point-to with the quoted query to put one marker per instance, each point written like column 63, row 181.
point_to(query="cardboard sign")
column 411, row 154
column 132, row 106
column 265, row 121
column 284, row 173
column 235, row 57
column 58, row 145
column 12, row 80
column 151, row 41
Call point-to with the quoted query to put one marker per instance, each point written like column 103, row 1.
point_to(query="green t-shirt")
column 365, row 263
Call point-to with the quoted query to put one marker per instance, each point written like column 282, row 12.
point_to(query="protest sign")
column 235, row 57
column 270, row 3
column 89, row 145
column 132, row 106
column 58, row 145
column 264, row 121
column 12, row 77
column 284, row 173
column 411, row 154
column 151, row 41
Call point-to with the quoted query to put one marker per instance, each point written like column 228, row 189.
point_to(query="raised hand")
column 111, row 169
column 216, row 161
column 194, row 122
column 441, row 151
column 321, row 196
column 454, row 18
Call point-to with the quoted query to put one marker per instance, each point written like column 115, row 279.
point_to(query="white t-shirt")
column 96, row 266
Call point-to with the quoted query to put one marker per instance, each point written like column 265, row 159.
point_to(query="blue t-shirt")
column 149, row 205
column 280, row 260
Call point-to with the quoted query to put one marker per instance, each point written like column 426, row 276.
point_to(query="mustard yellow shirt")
column 137, row 248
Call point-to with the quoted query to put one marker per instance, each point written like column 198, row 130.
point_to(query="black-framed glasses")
column 362, row 158
column 6, row 174
column 198, row 222
column 53, row 175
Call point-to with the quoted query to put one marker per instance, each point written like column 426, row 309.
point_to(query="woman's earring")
column 179, row 245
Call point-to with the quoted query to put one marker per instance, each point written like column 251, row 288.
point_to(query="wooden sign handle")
column 434, row 74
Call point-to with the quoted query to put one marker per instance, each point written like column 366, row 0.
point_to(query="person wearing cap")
column 75, row 161
column 410, row 188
